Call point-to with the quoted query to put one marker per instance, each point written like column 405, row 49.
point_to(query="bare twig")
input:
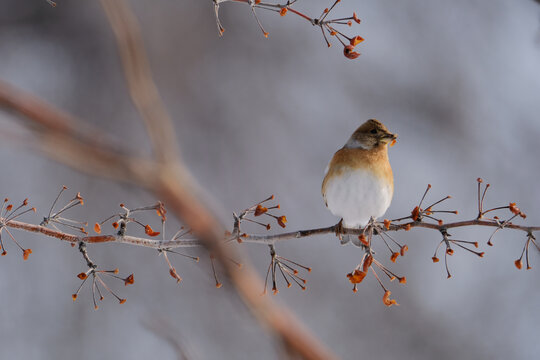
column 42, row 117
column 252, row 238
column 330, row 230
column 167, row 178
column 141, row 86
column 122, row 239
column 327, row 26
column 72, row 142
column 164, row 330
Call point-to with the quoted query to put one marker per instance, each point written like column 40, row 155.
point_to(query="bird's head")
column 369, row 135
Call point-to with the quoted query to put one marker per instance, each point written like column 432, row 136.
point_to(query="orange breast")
column 374, row 160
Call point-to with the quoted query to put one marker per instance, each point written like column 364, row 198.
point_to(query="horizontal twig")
column 125, row 239
column 269, row 239
column 255, row 238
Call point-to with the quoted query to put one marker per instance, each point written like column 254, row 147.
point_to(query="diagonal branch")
column 141, row 86
column 40, row 116
column 175, row 186
column 167, row 177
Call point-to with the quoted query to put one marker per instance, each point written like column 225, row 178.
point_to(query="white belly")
column 356, row 196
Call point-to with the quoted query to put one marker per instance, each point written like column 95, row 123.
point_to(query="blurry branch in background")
column 75, row 143
column 69, row 140
column 164, row 330
column 142, row 88
column 328, row 26
column 128, row 28
column 165, row 176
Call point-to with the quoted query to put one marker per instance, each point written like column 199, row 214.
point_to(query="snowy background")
column 458, row 81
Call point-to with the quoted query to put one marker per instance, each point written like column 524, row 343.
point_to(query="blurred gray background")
column 458, row 81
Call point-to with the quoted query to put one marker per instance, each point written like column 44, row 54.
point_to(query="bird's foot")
column 340, row 233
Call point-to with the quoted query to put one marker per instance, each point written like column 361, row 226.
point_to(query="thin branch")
column 71, row 141
column 349, row 43
column 253, row 238
column 167, row 178
column 141, row 86
column 67, row 140
column 331, row 230
column 43, row 119
column 175, row 185
column 124, row 239
column 164, row 330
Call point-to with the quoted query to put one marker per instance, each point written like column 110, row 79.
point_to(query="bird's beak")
column 386, row 138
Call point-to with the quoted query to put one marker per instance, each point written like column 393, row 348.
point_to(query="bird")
column 359, row 184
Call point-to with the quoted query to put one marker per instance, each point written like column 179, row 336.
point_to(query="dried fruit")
column 26, row 253
column 349, row 52
column 386, row 299
column 356, row 40
column 148, row 230
column 356, row 276
column 129, row 280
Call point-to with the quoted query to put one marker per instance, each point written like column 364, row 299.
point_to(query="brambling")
column 358, row 183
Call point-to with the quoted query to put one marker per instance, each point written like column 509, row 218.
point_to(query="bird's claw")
column 339, row 233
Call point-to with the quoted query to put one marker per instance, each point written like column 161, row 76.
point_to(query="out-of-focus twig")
column 141, row 86
column 69, row 140
column 164, row 330
column 44, row 117
column 177, row 187
column 166, row 177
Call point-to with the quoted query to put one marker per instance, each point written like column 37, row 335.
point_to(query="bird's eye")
column 374, row 131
